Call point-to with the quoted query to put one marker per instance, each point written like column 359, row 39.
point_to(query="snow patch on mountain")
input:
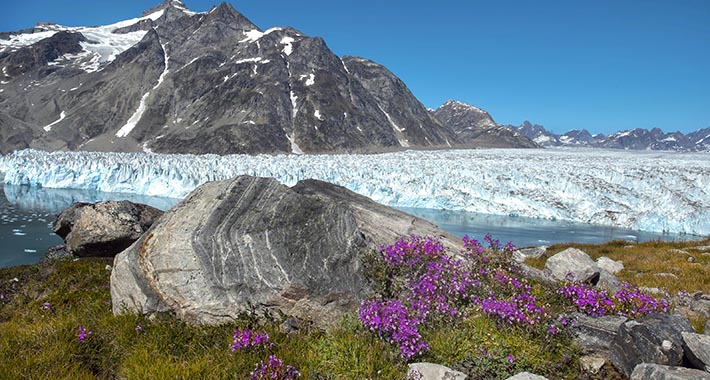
column 49, row 126
column 652, row 191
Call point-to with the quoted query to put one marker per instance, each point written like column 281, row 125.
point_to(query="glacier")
column 648, row 191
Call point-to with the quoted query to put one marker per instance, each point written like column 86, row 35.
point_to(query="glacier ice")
column 649, row 191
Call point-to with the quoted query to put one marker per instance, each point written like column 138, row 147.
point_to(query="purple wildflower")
column 274, row 369
column 243, row 339
column 83, row 333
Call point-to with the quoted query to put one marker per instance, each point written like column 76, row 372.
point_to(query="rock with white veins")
column 250, row 242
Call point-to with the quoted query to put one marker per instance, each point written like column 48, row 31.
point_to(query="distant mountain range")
column 634, row 139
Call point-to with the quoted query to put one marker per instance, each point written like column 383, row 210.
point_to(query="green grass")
column 43, row 344
column 644, row 261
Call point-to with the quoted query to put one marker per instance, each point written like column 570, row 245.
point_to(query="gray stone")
column 57, row 252
column 526, row 376
column 575, row 263
column 612, row 266
column 649, row 371
column 431, row 371
column 706, row 330
column 253, row 243
column 595, row 334
column 655, row 338
column 697, row 350
column 522, row 254
column 693, row 305
column 609, row 282
column 535, row 274
column 104, row 228
column 592, row 363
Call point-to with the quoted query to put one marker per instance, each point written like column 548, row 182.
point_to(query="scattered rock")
column 655, row 338
column 609, row 282
column 535, row 274
column 693, row 305
column 666, row 275
column 649, row 371
column 252, row 243
column 522, row 254
column 526, row 376
column 595, row 334
column 697, row 350
column 612, row 266
column 592, row 363
column 430, row 371
column 702, row 248
column 103, row 228
column 679, row 251
column 573, row 262
column 57, row 252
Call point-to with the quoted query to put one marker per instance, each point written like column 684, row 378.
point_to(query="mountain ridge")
column 177, row 81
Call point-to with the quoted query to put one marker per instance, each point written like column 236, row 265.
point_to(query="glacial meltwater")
column 26, row 215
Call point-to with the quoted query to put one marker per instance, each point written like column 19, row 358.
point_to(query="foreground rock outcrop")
column 103, row 229
column 253, row 243
column 655, row 338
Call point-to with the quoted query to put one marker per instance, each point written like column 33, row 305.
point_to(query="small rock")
column 609, row 282
column 649, row 371
column 573, row 262
column 610, row 265
column 431, row 371
column 666, row 275
column 522, row 254
column 695, row 305
column 697, row 350
column 655, row 338
column 706, row 331
column 592, row 363
column 57, row 252
column 691, row 259
column 526, row 376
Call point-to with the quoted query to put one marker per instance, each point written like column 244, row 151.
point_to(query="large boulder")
column 649, row 371
column 697, row 350
column 655, row 338
column 254, row 244
column 104, row 228
column 573, row 264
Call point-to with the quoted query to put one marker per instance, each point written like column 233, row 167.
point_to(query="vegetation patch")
column 469, row 310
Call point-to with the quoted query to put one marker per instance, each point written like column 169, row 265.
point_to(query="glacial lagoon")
column 26, row 214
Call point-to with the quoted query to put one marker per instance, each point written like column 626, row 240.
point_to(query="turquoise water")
column 26, row 215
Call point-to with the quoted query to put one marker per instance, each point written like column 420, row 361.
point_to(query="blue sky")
column 604, row 65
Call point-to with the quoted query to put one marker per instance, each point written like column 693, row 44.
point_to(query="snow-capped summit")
column 633, row 139
column 178, row 81
column 476, row 126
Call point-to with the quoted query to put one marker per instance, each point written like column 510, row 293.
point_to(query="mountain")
column 634, row 139
column 177, row 81
column 477, row 127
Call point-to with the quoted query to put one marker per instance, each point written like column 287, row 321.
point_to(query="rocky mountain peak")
column 167, row 4
column 476, row 127
column 225, row 13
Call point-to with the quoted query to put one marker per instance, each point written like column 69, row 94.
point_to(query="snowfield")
column 650, row 191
